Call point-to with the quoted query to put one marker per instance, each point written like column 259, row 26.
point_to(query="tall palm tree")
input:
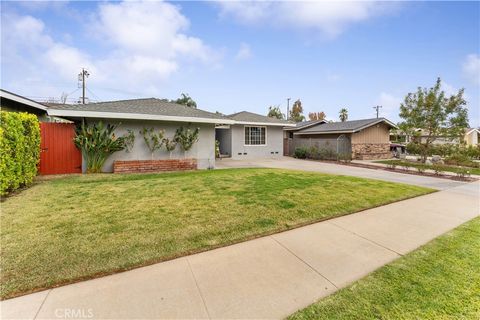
column 343, row 114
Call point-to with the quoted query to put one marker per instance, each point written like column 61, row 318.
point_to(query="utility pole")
column 82, row 78
column 377, row 108
column 288, row 107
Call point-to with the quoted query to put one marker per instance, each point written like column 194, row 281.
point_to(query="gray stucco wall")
column 274, row 144
column 203, row 150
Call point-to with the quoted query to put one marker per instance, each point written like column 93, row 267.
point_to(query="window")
column 255, row 136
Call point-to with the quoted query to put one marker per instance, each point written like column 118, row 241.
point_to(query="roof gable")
column 344, row 127
column 246, row 117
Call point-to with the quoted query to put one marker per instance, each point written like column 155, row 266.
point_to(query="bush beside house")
column 19, row 150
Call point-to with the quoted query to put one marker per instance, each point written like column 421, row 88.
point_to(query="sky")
column 235, row 56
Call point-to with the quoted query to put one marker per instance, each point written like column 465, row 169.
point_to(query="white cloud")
column 329, row 17
column 471, row 68
column 244, row 52
column 144, row 44
column 390, row 105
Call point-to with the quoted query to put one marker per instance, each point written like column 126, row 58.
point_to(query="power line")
column 94, row 94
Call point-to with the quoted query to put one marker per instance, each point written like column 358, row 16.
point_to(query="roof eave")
column 324, row 132
column 11, row 96
column 264, row 123
column 132, row 116
column 306, row 126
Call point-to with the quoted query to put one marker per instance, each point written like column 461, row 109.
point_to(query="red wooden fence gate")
column 58, row 152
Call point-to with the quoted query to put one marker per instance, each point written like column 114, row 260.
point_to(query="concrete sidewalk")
column 266, row 278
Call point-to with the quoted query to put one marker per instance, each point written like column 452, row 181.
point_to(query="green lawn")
column 440, row 280
column 78, row 227
column 446, row 168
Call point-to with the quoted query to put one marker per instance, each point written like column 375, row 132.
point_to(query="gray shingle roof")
column 305, row 124
column 251, row 117
column 347, row 126
column 150, row 106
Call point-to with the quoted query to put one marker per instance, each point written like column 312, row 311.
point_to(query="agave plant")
column 97, row 142
column 186, row 137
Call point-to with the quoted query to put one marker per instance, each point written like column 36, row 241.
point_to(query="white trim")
column 132, row 116
column 22, row 100
column 473, row 129
column 254, row 145
column 324, row 132
column 306, row 126
column 260, row 124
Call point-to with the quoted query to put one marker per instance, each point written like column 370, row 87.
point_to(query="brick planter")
column 139, row 166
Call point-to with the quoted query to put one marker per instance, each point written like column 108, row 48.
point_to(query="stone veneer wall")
column 140, row 166
column 371, row 151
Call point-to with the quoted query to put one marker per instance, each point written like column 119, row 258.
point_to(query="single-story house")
column 251, row 136
column 472, row 136
column 137, row 114
column 241, row 135
column 362, row 139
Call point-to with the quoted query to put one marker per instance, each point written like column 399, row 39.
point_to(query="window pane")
column 255, row 135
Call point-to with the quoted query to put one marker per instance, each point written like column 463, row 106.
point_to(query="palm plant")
column 170, row 145
column 97, row 142
column 343, row 114
column 186, row 137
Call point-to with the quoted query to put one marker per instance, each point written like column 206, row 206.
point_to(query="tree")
column 296, row 114
column 186, row 100
column 317, row 115
column 275, row 112
column 186, row 138
column 153, row 140
column 343, row 114
column 435, row 113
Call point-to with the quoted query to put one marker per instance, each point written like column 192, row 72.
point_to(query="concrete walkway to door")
column 266, row 278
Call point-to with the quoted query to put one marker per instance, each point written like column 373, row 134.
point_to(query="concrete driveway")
column 332, row 168
column 269, row 277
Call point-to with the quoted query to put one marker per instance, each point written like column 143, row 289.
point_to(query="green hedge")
column 19, row 149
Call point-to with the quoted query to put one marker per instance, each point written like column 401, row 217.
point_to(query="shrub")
column 300, row 153
column 153, row 140
column 406, row 165
column 392, row 165
column 19, row 150
column 463, row 173
column 420, row 169
column 186, row 137
column 97, row 142
column 313, row 152
column 437, row 168
column 344, row 157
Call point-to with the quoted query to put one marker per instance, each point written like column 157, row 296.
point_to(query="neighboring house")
column 14, row 103
column 251, row 136
column 363, row 139
column 472, row 137
column 288, row 144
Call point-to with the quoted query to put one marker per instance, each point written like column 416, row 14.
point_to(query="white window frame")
column 254, row 145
